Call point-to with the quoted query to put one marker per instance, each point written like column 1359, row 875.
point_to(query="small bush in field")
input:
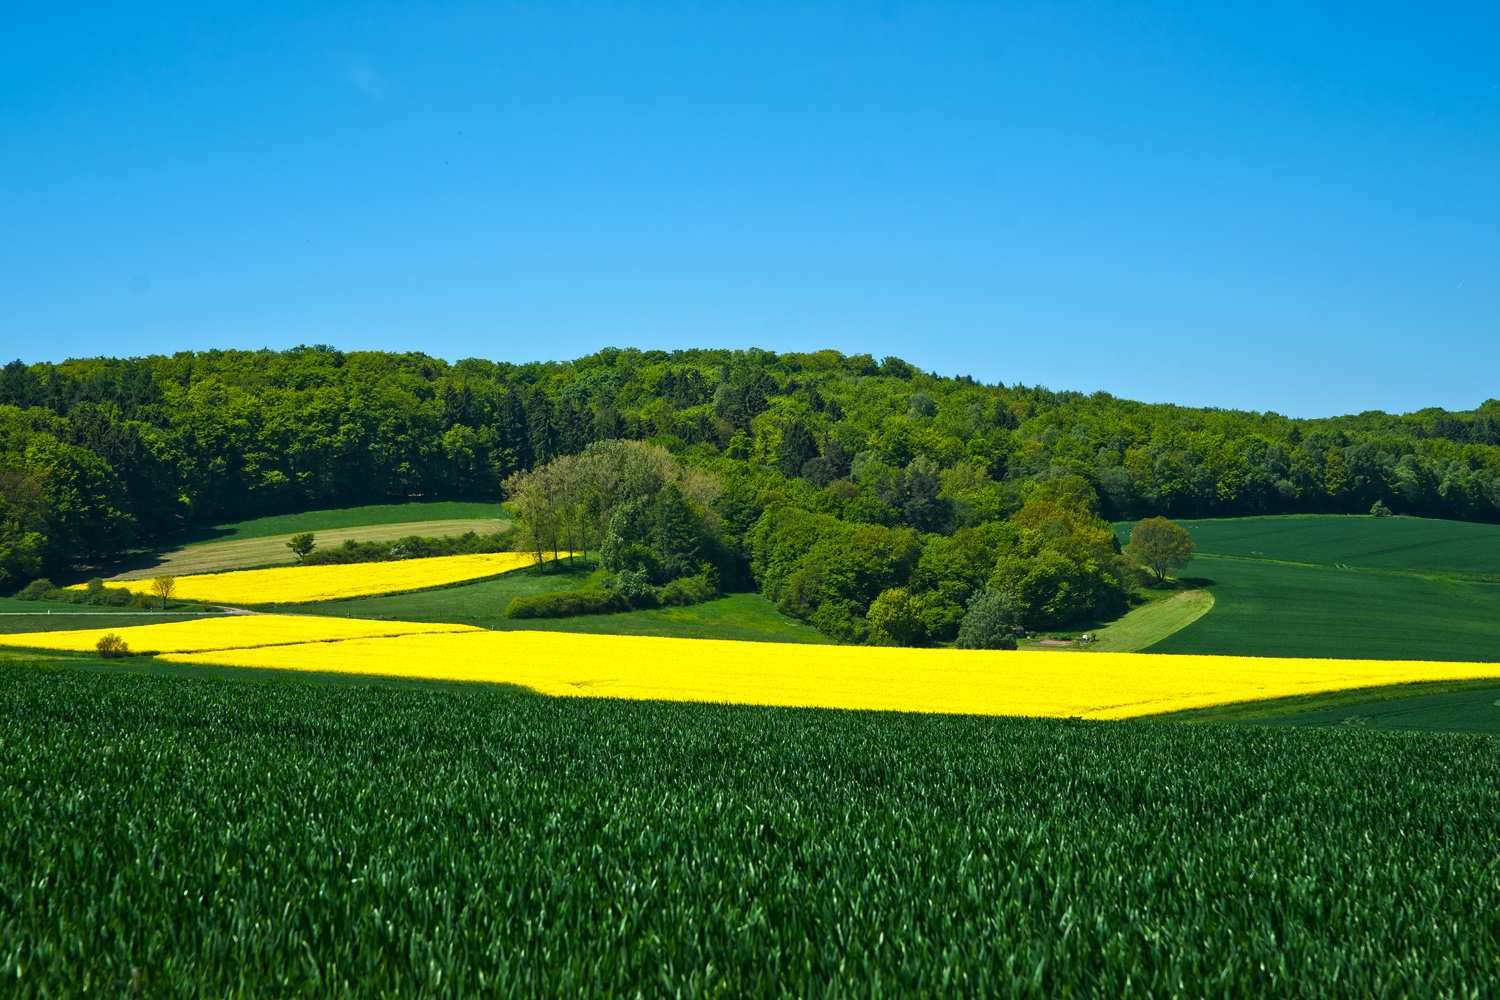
column 111, row 646
column 567, row 604
column 689, row 590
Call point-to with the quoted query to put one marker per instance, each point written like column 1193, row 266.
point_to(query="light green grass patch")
column 1153, row 622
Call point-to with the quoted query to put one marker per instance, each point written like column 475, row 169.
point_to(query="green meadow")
column 1403, row 543
column 1276, row 609
column 354, row 517
column 734, row 616
column 1342, row 587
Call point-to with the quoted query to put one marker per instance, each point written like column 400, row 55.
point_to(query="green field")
column 33, row 616
column 354, row 517
column 1277, row 609
column 1343, row 587
column 1473, row 711
column 1403, row 543
column 272, row 550
column 164, row 836
column 735, row 616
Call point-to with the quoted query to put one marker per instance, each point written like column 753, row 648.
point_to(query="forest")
column 824, row 480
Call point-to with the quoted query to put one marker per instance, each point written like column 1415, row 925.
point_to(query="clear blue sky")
column 1279, row 207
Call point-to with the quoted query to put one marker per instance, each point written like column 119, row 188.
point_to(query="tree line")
column 100, row 454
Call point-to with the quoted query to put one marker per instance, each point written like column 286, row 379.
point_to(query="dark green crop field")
column 1408, row 543
column 1346, row 587
column 1471, row 711
column 170, row 837
column 1276, row 609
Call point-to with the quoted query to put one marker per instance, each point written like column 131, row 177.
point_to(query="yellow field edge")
column 1024, row 683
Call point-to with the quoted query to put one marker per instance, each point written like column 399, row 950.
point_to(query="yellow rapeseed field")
column 1094, row 685
column 304, row 584
column 232, row 632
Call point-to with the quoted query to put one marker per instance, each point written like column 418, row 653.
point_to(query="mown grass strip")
column 1153, row 622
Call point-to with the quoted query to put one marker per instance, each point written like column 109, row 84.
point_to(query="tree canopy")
column 1160, row 546
column 822, row 479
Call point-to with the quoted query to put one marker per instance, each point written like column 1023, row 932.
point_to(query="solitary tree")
column 302, row 544
column 1160, row 546
column 111, row 646
column 164, row 587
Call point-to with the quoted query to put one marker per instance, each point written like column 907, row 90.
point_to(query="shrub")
column 110, row 597
column 567, row 603
column 35, row 590
column 635, row 587
column 302, row 544
column 689, row 590
column 143, row 601
column 992, row 614
column 841, row 620
column 111, row 646
column 410, row 547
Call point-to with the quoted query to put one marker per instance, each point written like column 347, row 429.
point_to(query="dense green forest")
column 816, row 456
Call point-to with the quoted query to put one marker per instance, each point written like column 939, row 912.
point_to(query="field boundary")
column 150, row 666
column 1245, row 711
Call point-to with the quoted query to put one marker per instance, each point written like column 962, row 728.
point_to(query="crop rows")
column 245, row 838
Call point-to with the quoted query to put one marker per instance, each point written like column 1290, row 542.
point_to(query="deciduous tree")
column 164, row 587
column 302, row 544
column 896, row 617
column 1160, row 546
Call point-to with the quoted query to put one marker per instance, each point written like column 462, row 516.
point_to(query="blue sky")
column 1279, row 206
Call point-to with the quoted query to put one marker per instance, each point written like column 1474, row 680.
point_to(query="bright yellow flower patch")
column 1092, row 685
column 303, row 584
column 232, row 632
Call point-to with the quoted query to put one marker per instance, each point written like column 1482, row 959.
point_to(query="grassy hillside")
column 1280, row 609
column 353, row 517
column 256, row 551
column 737, row 616
column 1152, row 622
column 1406, row 543
column 1344, row 587
column 553, row 847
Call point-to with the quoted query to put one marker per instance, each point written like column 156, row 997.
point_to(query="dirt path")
column 247, row 553
column 1154, row 622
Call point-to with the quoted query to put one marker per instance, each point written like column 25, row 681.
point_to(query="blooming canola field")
column 307, row 584
column 1024, row 683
